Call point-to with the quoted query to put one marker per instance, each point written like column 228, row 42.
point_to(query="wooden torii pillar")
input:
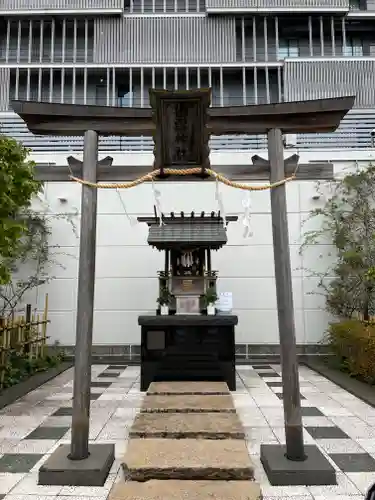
column 180, row 144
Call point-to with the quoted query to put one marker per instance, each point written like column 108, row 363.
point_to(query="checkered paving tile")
column 333, row 420
column 342, row 426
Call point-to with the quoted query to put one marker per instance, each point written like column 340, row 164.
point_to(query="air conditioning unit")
column 290, row 140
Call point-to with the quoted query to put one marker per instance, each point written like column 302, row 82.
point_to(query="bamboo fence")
column 25, row 334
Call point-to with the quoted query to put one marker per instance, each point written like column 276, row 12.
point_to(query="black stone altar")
column 188, row 347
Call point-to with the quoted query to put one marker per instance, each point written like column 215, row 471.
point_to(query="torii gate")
column 179, row 143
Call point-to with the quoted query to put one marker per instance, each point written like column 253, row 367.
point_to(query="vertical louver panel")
column 4, row 88
column 320, row 79
column 231, row 4
column 165, row 40
column 30, row 5
column 109, row 41
column 277, row 4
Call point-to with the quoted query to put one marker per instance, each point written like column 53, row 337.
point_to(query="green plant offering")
column 210, row 297
column 164, row 297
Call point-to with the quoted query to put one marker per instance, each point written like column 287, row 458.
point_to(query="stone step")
column 185, row 403
column 198, row 352
column 188, row 375
column 194, row 371
column 187, row 426
column 190, row 361
column 204, row 366
column 191, row 364
column 186, row 490
column 187, row 459
column 168, row 388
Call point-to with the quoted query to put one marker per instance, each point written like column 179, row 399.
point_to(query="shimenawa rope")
column 188, row 171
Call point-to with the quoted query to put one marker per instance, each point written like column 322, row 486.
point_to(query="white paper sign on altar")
column 225, row 302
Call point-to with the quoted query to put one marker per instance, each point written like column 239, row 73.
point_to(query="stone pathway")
column 204, row 454
column 340, row 424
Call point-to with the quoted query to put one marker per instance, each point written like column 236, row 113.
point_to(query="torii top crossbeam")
column 182, row 121
column 321, row 115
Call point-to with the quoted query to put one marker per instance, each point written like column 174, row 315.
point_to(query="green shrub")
column 353, row 343
column 20, row 367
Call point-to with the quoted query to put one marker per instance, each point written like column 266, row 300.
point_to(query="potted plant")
column 164, row 300
column 210, row 299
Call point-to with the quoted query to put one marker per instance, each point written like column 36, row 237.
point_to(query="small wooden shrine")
column 186, row 339
column 187, row 285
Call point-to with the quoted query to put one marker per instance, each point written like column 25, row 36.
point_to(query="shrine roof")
column 177, row 232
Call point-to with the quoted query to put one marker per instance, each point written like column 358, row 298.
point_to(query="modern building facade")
column 110, row 52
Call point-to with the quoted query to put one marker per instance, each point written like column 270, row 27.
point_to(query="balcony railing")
column 354, row 132
column 36, row 6
column 215, row 6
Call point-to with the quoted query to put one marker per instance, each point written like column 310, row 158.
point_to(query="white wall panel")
column 257, row 293
column 261, row 327
column 117, row 230
column 62, row 295
column 126, row 294
column 318, row 258
column 63, row 262
column 126, row 267
column 175, row 196
column 62, row 327
column 117, row 327
column 313, row 224
column 308, row 190
column 261, row 226
column 255, row 261
column 64, row 232
column 71, row 191
column 130, row 262
column 316, row 323
column 312, row 294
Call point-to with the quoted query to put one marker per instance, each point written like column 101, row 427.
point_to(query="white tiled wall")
column 126, row 266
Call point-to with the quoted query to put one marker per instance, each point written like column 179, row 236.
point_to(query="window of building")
column 353, row 47
column 288, row 48
column 354, row 4
column 125, row 97
column 357, row 4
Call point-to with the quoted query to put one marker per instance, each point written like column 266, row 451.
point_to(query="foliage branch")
column 348, row 223
column 26, row 255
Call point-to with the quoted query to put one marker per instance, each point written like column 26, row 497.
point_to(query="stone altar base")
column 187, row 347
